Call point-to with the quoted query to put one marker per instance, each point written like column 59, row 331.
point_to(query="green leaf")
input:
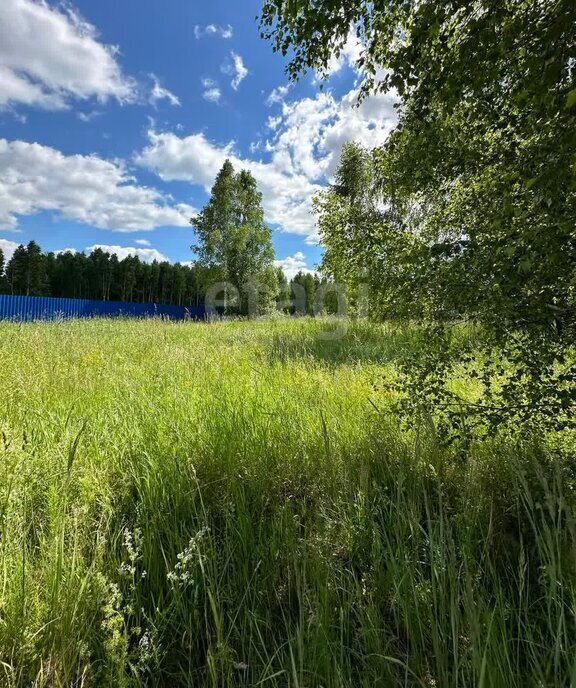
column 571, row 99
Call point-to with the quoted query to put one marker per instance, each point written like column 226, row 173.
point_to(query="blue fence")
column 27, row 308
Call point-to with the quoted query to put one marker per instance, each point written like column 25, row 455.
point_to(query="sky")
column 116, row 115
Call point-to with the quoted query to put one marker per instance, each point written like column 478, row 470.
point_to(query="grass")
column 236, row 504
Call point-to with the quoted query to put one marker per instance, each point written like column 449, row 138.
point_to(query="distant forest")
column 102, row 276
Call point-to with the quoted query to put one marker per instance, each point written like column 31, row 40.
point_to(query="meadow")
column 239, row 504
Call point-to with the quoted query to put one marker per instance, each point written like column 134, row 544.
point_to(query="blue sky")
column 116, row 116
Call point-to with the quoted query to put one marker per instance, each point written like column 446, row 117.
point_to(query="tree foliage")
column 2, row 277
column 233, row 238
column 26, row 271
column 482, row 165
column 102, row 276
column 351, row 225
column 476, row 186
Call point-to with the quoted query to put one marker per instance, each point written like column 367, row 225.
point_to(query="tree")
column 165, row 283
column 36, row 273
column 351, row 226
column 253, row 254
column 179, row 280
column 99, row 274
column 478, row 175
column 26, row 271
column 15, row 270
column 234, row 239
column 215, row 222
column 127, row 271
column 284, row 292
column 2, row 276
column 486, row 139
column 303, row 287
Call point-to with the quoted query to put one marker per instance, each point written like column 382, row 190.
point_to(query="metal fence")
column 28, row 308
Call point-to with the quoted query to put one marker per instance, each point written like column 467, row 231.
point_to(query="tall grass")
column 235, row 504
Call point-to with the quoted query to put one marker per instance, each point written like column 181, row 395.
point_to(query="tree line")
column 235, row 257
column 102, row 276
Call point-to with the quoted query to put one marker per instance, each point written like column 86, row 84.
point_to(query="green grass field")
column 235, row 504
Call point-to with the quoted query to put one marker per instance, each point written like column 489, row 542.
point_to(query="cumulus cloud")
column 148, row 255
column 292, row 265
column 50, row 55
column 213, row 30
column 158, row 92
column 82, row 188
column 142, row 242
column 211, row 91
column 197, row 160
column 236, row 69
column 313, row 130
column 8, row 248
column 303, row 153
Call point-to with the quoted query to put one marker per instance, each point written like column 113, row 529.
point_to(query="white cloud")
column 235, row 69
column 50, row 55
column 292, row 265
column 312, row 239
column 158, row 92
column 212, row 95
column 60, row 251
column 212, row 91
column 274, row 122
column 8, row 248
column 213, row 30
column 88, row 116
column 145, row 254
column 195, row 159
column 82, row 188
column 313, row 130
column 304, row 152
column 277, row 95
column 142, row 242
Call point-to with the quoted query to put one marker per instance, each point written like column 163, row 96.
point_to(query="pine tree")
column 2, row 277
column 26, row 271
column 102, row 276
column 113, row 290
column 36, row 272
column 179, row 280
column 98, row 278
column 128, row 272
column 15, row 270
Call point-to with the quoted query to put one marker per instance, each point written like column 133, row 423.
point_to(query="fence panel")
column 30, row 308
